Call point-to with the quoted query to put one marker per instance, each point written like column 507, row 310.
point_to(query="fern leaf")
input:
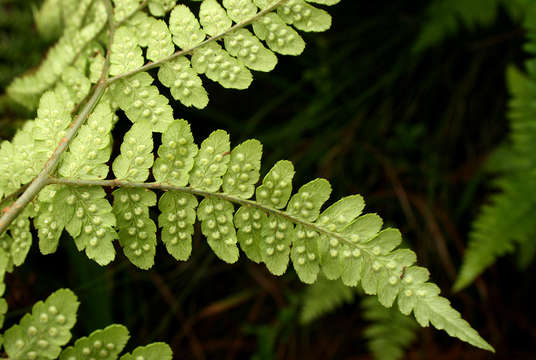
column 177, row 221
column 279, row 37
column 389, row 333
column 137, row 232
column 136, row 154
column 155, row 351
column 176, row 155
column 244, row 165
column 142, row 101
column 41, row 334
column 185, row 28
column 160, row 7
column 159, row 44
column 240, row 10
column 183, row 82
column 100, row 344
column 506, row 221
column 213, row 18
column 126, row 54
column 211, row 162
column 323, row 297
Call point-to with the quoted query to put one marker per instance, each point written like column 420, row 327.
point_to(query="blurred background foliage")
column 401, row 102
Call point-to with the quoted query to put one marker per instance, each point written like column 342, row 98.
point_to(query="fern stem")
column 207, row 194
column 179, row 53
column 11, row 212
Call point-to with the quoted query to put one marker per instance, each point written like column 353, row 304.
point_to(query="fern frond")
column 352, row 245
column 389, row 333
column 323, row 297
column 507, row 221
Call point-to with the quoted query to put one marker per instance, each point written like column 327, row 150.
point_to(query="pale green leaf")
column 217, row 225
column 211, row 60
column 177, row 220
column 137, row 232
column 277, row 235
column 307, row 202
column 305, row 254
column 176, row 155
column 279, row 37
column 159, row 43
column 304, row 16
column 277, row 185
column 161, row 7
column 240, row 10
column 126, row 54
column 213, row 18
column 244, row 169
column 249, row 50
column 154, row 351
column 185, row 28
column 136, row 154
column 183, row 82
column 45, row 330
column 249, row 222
column 211, row 162
column 103, row 344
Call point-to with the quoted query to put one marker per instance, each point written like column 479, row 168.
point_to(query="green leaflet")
column 249, row 222
column 177, row 221
column 185, row 28
column 217, row 225
column 279, row 37
column 101, row 344
column 161, row 7
column 211, row 162
column 277, row 185
column 137, row 232
column 213, row 18
column 41, row 334
column 219, row 66
column 126, row 54
column 142, row 102
column 90, row 221
column 245, row 46
column 277, row 235
column 176, row 155
column 91, row 149
column 21, row 239
column 183, row 82
column 136, row 154
column 159, row 44
column 244, row 168
column 240, row 10
column 304, row 16
column 155, row 351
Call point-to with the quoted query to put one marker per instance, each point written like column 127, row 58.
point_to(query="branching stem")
column 206, row 194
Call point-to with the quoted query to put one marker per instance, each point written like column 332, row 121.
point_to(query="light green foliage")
column 137, row 232
column 213, row 18
column 101, row 344
column 185, row 28
column 159, row 44
column 304, row 16
column 183, row 82
column 240, row 10
column 274, row 227
column 126, row 54
column 217, row 225
column 89, row 220
column 176, row 155
column 155, row 351
column 211, row 162
column 244, row 168
column 90, row 150
column 142, row 101
column 323, row 297
column 277, row 185
column 177, row 221
column 161, row 7
column 389, row 333
column 21, row 238
column 41, row 334
column 28, row 89
column 506, row 222
column 278, row 36
column 250, row 51
column 136, row 154
column 221, row 67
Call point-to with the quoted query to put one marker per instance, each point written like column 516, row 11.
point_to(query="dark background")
column 409, row 131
